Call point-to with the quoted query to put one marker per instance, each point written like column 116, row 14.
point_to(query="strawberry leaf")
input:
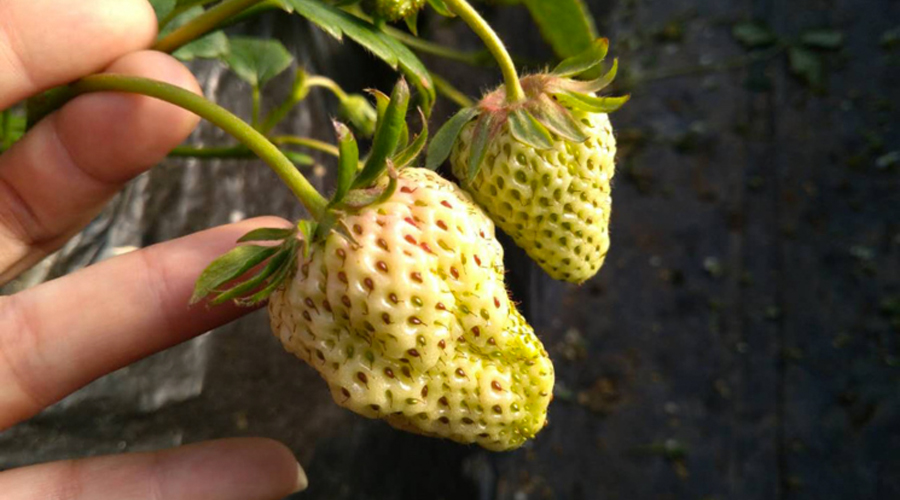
column 257, row 61
column 565, row 24
column 591, row 104
column 348, row 163
column 585, row 61
column 163, row 7
column 230, row 266
column 212, row 46
column 442, row 144
column 528, row 130
column 338, row 23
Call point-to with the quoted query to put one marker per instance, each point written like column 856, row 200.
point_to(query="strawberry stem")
column 203, row 24
column 221, row 117
column 462, row 8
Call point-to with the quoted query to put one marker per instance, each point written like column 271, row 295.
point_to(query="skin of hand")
column 61, row 335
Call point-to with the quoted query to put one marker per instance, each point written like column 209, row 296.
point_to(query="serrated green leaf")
column 827, row 39
column 348, row 162
column 230, row 266
column 558, row 119
column 212, row 46
column 585, row 61
column 267, row 234
column 442, row 144
column 528, row 130
column 566, row 25
column 591, row 104
column 338, row 23
column 272, row 267
column 163, row 7
column 485, row 128
column 441, row 8
column 411, row 152
column 388, row 135
column 807, row 66
column 753, row 35
column 257, row 61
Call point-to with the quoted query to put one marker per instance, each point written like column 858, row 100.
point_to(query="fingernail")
column 302, row 480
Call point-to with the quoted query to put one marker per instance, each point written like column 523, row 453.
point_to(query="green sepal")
column 308, row 229
column 387, row 136
column 485, row 128
column 403, row 141
column 348, row 162
column 229, row 267
column 412, row 23
column 441, row 8
column 591, row 104
column 442, row 144
column 558, row 119
column 528, row 130
column 411, row 152
column 272, row 267
column 325, row 225
column 358, row 199
column 595, row 85
column 585, row 61
column 382, row 101
column 284, row 272
column 267, row 234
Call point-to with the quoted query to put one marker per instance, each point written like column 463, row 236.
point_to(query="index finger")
column 60, row 335
column 45, row 43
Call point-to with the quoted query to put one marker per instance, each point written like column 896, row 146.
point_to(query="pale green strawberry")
column 543, row 167
column 397, row 297
column 412, row 323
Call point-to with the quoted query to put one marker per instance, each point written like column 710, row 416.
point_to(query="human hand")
column 59, row 336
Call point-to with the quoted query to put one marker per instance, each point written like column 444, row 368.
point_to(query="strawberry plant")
column 393, row 289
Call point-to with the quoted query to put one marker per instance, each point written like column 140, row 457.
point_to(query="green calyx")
column 544, row 113
column 250, row 273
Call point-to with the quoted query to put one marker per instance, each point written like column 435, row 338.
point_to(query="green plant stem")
column 480, row 58
column 257, row 99
column 314, row 202
column 514, row 91
column 215, row 152
column 306, row 142
column 447, row 89
column 328, row 83
column 181, row 9
column 203, row 24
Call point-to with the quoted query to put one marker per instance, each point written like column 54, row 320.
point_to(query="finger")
column 45, row 43
column 59, row 336
column 62, row 173
column 234, row 469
